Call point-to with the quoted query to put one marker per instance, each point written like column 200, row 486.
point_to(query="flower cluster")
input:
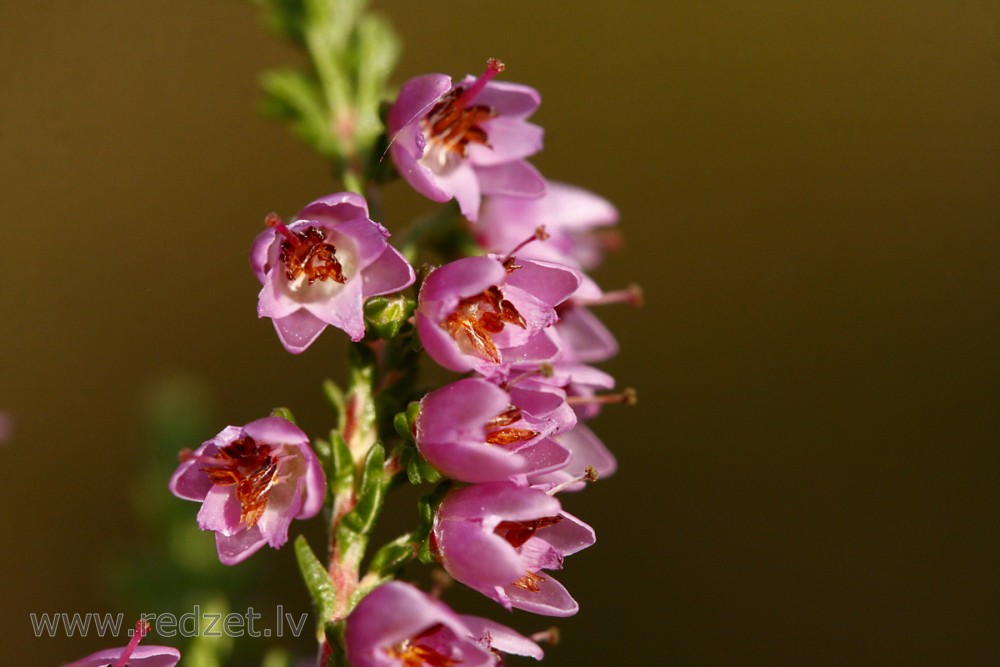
column 504, row 440
column 517, row 317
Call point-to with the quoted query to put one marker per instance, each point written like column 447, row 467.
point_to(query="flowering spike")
column 493, row 67
column 141, row 628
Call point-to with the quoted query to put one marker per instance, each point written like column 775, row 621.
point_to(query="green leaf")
column 392, row 557
column 297, row 97
column 341, row 471
column 386, row 315
column 376, row 50
column 284, row 413
column 403, row 427
column 285, row 17
column 324, row 452
column 317, row 582
column 371, row 493
column 335, row 395
column 427, row 506
column 335, row 640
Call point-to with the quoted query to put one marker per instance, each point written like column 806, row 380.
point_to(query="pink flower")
column 498, row 538
column 132, row 655
column 143, row 656
column 474, row 431
column 466, row 140
column 396, row 624
column 252, row 481
column 569, row 214
column 489, row 313
column 320, row 269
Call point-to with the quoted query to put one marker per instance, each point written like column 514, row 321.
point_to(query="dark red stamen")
column 477, row 317
column 250, row 467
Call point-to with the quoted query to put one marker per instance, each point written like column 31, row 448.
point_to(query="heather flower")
column 489, row 313
column 570, row 215
column 466, row 140
column 474, row 431
column 498, row 539
column 319, row 269
column 396, row 624
column 252, row 481
column 132, row 655
column 143, row 656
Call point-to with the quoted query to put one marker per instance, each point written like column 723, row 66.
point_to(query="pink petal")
column 507, row 99
column 516, row 178
column 237, row 548
column 552, row 598
column 389, row 273
column 509, row 139
column 477, row 558
column 298, row 330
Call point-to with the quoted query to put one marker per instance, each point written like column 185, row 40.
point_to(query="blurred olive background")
column 811, row 198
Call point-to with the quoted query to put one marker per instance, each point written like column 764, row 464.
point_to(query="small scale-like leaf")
column 386, row 315
column 317, row 582
column 295, row 96
column 335, row 395
column 426, row 507
column 402, row 426
column 341, row 471
column 392, row 557
column 284, row 413
column 371, row 493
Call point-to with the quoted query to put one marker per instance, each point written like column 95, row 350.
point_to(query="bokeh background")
column 811, row 198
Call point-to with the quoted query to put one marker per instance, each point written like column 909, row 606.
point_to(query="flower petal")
column 237, row 548
column 474, row 557
column 551, row 598
column 298, row 330
column 516, row 178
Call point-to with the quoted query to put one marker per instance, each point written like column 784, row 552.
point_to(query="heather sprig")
column 505, row 306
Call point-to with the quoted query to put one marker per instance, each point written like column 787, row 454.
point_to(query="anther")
column 589, row 475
